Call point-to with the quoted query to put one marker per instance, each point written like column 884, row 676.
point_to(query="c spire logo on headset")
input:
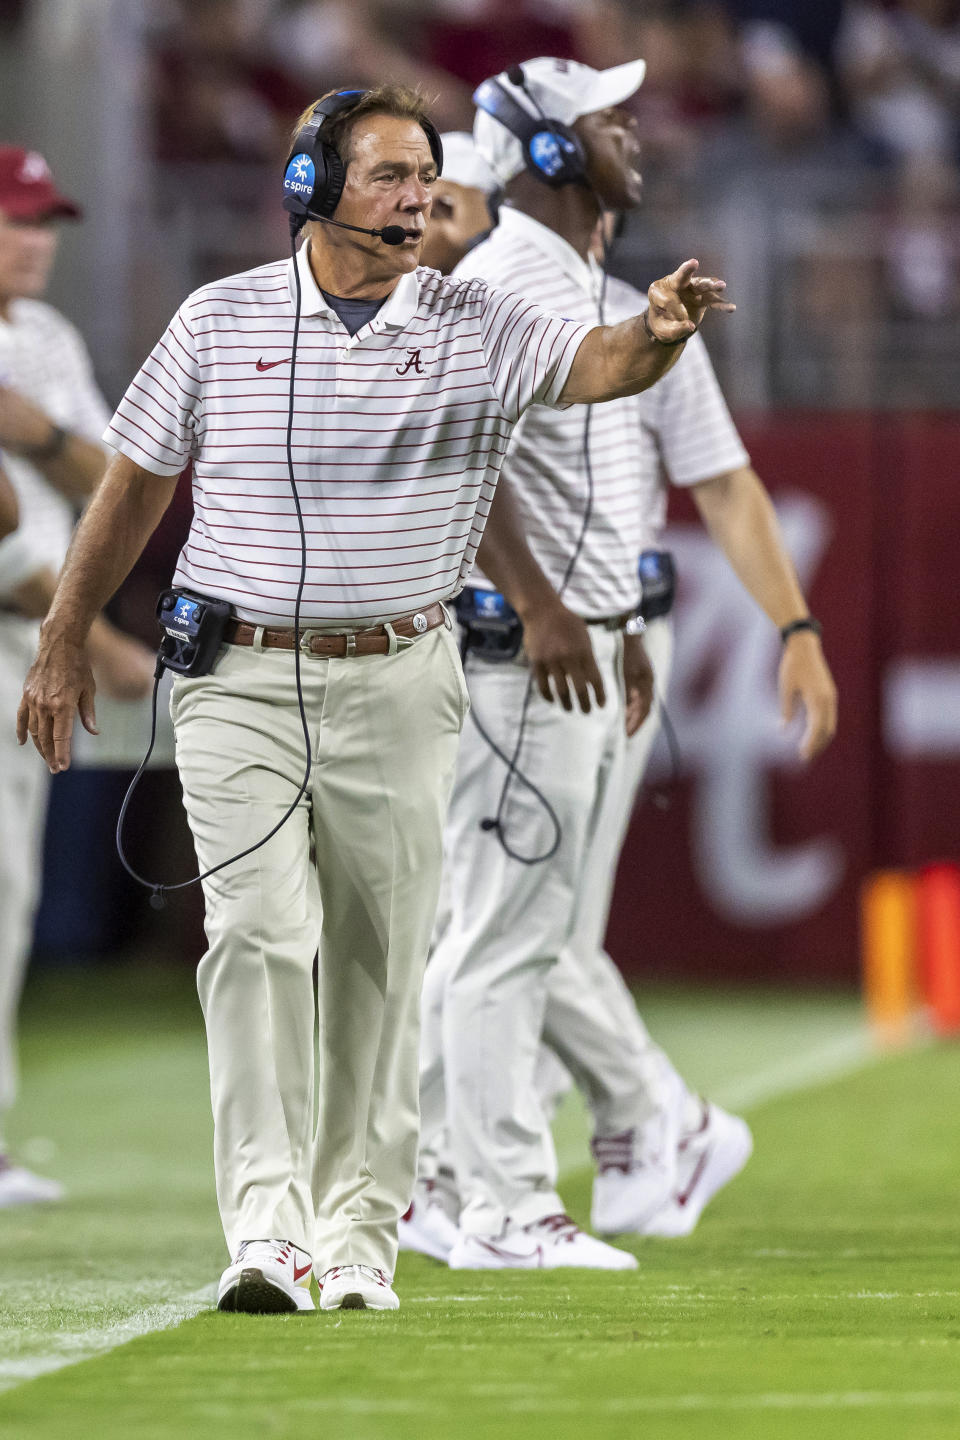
column 301, row 176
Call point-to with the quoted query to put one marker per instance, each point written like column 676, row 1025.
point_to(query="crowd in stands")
column 833, row 99
column 230, row 74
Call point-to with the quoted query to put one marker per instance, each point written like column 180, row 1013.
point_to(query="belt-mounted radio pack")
column 658, row 581
column 193, row 629
column 492, row 628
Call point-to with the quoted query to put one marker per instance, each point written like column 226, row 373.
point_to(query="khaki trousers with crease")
column 354, row 873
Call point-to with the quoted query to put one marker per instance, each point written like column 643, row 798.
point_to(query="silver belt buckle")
column 305, row 637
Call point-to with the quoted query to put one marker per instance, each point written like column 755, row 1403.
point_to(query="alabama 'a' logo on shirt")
column 413, row 365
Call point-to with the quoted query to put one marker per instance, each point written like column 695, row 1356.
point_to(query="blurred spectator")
column 330, row 43
column 694, row 75
column 901, row 67
column 476, row 38
column 808, row 26
column 217, row 95
column 787, row 94
column 921, row 247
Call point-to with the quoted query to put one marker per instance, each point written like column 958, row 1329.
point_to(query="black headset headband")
column 314, row 174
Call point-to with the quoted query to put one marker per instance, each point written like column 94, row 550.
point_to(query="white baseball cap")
column 564, row 90
column 464, row 165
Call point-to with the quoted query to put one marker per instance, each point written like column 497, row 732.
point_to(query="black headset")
column 314, row 174
column 553, row 153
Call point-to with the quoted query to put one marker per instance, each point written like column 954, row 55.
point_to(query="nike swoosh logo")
column 534, row 1256
column 683, row 1197
column 269, row 364
column 299, row 1272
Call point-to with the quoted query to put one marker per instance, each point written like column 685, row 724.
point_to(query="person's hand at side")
column 637, row 682
column 805, row 679
column 123, row 666
column 558, row 648
column 59, row 685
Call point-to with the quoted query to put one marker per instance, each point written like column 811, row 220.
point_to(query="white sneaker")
column 426, row 1227
column 629, row 1188
column 707, row 1159
column 357, row 1287
column 548, row 1244
column 267, row 1277
column 19, row 1186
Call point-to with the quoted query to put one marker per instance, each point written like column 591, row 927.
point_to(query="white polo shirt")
column 398, row 438
column 680, row 428
column 43, row 357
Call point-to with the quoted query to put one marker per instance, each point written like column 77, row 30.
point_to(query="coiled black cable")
column 158, row 892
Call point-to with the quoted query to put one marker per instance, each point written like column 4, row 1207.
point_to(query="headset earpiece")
column 552, row 152
column 314, row 175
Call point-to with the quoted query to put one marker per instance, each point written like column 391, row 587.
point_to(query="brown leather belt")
column 378, row 640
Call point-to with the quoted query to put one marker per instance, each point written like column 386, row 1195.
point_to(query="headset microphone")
column 390, row 234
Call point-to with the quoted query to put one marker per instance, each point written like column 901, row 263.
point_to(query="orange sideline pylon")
column 938, row 926
column 888, row 953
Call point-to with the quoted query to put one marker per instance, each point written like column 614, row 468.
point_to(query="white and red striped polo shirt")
column 399, row 434
column 679, row 429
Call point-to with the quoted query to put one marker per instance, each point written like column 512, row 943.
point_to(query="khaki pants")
column 508, row 925
column 354, row 873
column 505, row 1081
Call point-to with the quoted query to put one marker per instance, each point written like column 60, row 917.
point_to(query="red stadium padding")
column 754, row 873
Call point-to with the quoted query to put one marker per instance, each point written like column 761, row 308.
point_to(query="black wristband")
column 50, row 448
column 807, row 622
column 667, row 344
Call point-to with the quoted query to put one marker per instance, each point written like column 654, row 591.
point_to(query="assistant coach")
column 408, row 386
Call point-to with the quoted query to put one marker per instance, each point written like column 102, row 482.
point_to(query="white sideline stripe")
column 71, row 1348
column 771, row 1400
column 839, row 1056
column 831, row 1060
column 540, row 1401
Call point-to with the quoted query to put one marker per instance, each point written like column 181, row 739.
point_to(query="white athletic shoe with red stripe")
column 19, row 1186
column 708, row 1158
column 267, row 1277
column 426, row 1227
column 556, row 1242
column 357, row 1287
column 630, row 1188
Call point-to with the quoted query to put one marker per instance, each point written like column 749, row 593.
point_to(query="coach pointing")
column 408, row 388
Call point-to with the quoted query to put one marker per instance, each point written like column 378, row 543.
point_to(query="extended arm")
column 739, row 515
column 624, row 359
column 109, row 539
column 72, row 464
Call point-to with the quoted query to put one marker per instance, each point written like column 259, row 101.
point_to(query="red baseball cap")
column 27, row 191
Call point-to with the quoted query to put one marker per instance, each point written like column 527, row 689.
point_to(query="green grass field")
column 820, row 1295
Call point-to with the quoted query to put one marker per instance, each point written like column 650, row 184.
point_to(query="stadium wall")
column 753, row 873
